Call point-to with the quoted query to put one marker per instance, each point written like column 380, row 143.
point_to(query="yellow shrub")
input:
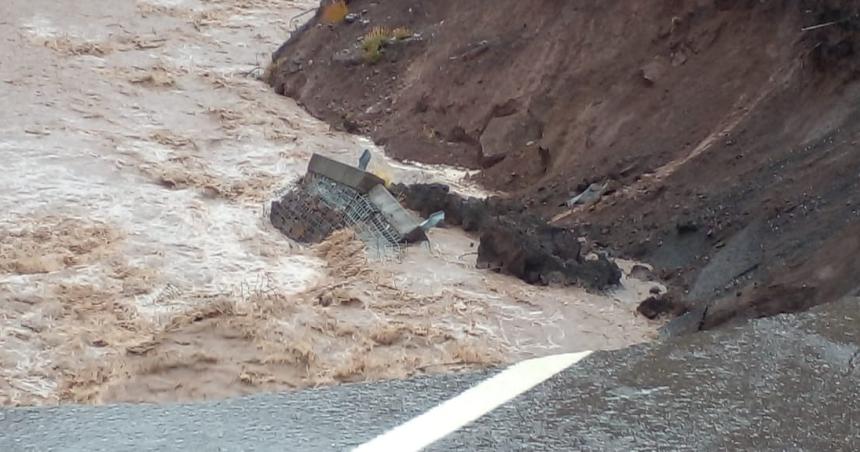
column 335, row 12
column 376, row 38
column 401, row 33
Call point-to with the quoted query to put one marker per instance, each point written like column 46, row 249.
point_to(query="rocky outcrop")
column 514, row 242
column 540, row 254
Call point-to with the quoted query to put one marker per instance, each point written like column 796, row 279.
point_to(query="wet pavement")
column 783, row 383
column 335, row 418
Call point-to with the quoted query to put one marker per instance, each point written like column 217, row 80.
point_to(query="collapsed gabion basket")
column 318, row 206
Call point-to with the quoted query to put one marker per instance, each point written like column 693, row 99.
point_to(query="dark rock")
column 595, row 274
column 513, row 242
column 656, row 306
column 641, row 272
column 469, row 213
column 350, row 126
column 540, row 254
column 423, row 198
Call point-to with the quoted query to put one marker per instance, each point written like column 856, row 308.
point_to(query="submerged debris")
column 333, row 196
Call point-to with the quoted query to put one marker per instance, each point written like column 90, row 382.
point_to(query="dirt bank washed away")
column 716, row 139
column 140, row 150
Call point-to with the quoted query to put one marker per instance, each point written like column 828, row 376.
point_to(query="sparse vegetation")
column 372, row 44
column 376, row 39
column 401, row 33
column 335, row 12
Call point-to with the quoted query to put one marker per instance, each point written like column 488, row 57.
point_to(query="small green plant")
column 373, row 42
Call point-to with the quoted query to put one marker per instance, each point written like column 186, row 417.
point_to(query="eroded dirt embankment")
column 726, row 130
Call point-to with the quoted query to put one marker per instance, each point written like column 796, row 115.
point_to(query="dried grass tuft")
column 335, row 12
column 69, row 46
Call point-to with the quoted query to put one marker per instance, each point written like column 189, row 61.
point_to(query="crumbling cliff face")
column 724, row 131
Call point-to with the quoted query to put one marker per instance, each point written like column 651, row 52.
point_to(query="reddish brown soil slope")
column 729, row 134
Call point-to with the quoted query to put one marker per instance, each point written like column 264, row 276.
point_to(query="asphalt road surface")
column 786, row 383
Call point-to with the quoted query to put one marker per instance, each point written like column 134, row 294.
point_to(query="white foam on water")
column 182, row 172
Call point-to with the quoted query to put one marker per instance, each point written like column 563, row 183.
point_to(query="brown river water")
column 139, row 152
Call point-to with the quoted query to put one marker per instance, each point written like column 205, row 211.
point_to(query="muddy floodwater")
column 139, row 151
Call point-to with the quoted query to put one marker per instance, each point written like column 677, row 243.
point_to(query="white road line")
column 477, row 401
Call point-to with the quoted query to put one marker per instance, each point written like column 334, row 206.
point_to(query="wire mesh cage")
column 319, row 206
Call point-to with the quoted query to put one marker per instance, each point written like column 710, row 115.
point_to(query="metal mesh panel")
column 359, row 214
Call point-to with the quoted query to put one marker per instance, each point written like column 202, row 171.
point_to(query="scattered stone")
column 350, row 125
column 656, row 306
column 678, row 58
column 597, row 274
column 349, row 57
column 513, row 242
column 472, row 51
column 590, row 196
column 652, row 71
column 351, row 18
